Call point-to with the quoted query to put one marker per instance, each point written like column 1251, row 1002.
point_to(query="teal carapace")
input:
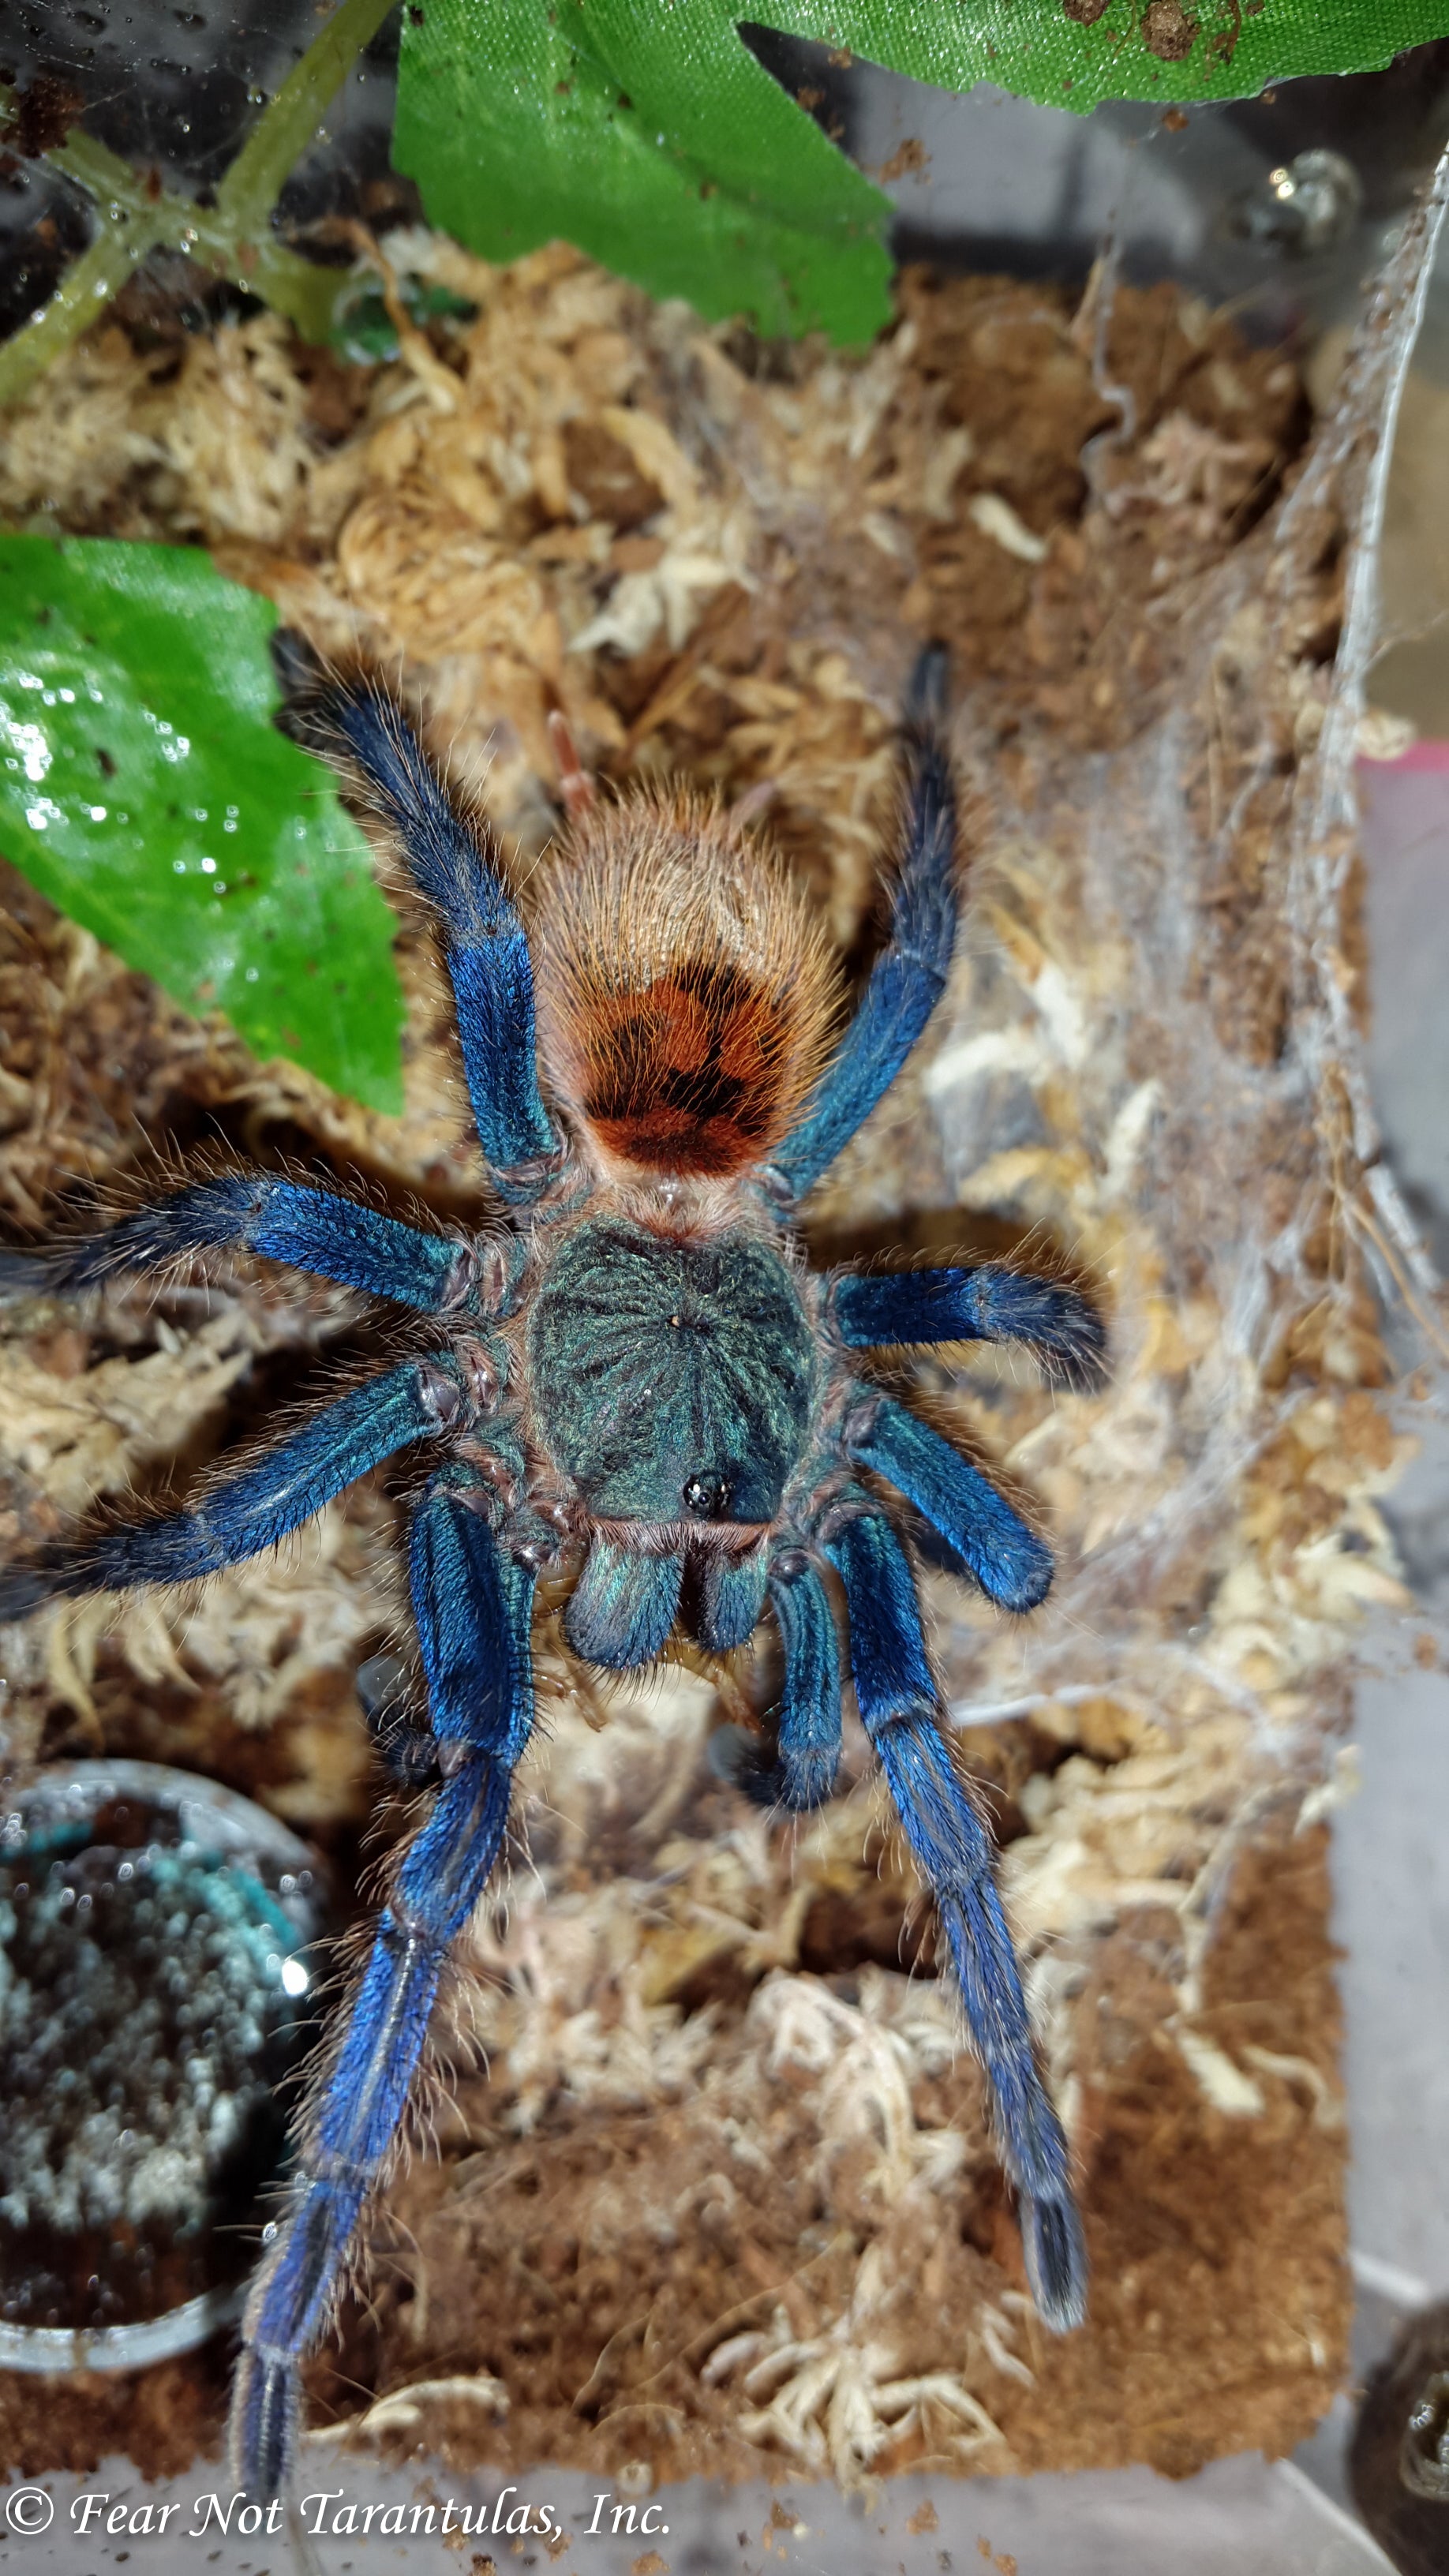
column 672, row 1381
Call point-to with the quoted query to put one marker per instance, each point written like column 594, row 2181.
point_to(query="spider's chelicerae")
column 639, row 1382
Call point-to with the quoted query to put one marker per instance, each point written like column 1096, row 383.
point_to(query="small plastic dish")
column 155, row 1997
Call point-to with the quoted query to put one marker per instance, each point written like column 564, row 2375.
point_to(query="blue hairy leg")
column 310, row 1229
column 987, row 1304
column 801, row 1772
column 454, row 862
column 983, row 1535
column 623, row 1605
column 731, row 1600
column 898, row 1704
column 474, row 1604
column 266, row 1502
column 909, row 976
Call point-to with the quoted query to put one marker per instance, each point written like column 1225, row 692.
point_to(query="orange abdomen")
column 685, row 993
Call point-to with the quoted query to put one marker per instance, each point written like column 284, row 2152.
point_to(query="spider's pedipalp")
column 474, row 1606
column 623, row 1606
column 910, row 974
column 800, row 1774
column 730, row 1598
column 353, row 720
column 984, row 1536
column 900, row 1708
column 246, row 1513
column 987, row 1303
column 310, row 1229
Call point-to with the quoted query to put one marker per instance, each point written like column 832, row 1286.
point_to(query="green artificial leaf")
column 145, row 790
column 1075, row 53
column 651, row 137
column 520, row 127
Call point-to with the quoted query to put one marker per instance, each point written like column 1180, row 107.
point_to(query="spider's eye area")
column 706, row 1498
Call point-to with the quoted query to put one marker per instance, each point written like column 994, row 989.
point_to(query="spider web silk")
column 1175, row 982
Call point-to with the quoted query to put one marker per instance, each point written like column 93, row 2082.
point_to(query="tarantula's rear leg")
column 899, row 1706
column 350, row 718
column 474, row 1603
column 983, row 1536
column 312, row 1230
column 909, row 976
column 989, row 1303
column 422, row 1400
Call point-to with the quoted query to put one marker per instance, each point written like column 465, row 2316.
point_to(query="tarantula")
column 639, row 1383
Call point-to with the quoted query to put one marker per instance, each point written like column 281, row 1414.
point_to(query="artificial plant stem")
column 234, row 236
column 82, row 295
column 102, row 173
column 282, row 133
column 299, row 288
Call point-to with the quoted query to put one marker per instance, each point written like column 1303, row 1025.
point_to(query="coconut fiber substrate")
column 708, row 2184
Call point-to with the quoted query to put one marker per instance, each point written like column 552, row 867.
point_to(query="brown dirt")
column 1220, row 2303
column 1219, row 2292
column 161, row 2418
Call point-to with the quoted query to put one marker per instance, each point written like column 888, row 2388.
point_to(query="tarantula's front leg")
column 473, row 1602
column 983, row 1536
column 239, row 1517
column 899, row 1707
column 312, row 1230
column 989, row 1303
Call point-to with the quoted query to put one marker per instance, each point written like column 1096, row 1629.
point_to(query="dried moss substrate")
column 724, row 2199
